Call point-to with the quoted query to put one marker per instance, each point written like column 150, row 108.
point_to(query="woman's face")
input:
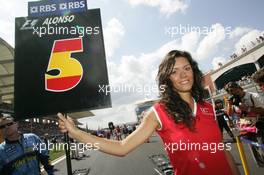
column 182, row 75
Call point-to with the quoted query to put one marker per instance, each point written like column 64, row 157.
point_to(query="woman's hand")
column 67, row 125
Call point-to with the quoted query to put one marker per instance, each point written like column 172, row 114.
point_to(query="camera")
column 235, row 99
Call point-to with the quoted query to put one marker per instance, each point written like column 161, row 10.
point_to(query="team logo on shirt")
column 11, row 150
column 206, row 111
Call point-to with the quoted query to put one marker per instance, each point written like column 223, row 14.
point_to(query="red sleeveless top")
column 198, row 152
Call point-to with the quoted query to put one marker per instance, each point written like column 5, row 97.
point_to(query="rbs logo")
column 70, row 70
column 59, row 5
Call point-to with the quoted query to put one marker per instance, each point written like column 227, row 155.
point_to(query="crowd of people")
column 118, row 132
column 246, row 110
column 245, row 80
column 253, row 44
column 39, row 128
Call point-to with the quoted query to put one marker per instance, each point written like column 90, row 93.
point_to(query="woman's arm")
column 118, row 148
column 231, row 161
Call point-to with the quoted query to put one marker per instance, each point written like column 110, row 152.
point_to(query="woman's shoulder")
column 158, row 111
column 159, row 108
column 159, row 104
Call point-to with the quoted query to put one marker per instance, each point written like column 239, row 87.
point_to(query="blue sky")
column 135, row 39
column 145, row 25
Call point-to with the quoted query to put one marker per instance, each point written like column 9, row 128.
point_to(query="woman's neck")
column 187, row 97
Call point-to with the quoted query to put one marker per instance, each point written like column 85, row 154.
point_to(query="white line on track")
column 157, row 171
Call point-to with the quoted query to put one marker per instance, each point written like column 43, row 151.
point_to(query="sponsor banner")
column 60, row 64
column 56, row 7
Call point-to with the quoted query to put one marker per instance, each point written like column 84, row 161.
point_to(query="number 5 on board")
column 70, row 69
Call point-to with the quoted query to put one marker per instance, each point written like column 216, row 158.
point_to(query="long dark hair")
column 175, row 106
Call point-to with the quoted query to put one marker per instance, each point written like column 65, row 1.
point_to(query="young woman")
column 180, row 118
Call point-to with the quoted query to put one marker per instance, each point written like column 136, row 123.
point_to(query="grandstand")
column 238, row 69
column 142, row 106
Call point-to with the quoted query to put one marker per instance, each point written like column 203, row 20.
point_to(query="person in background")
column 21, row 153
column 118, row 133
column 125, row 131
column 258, row 77
column 250, row 104
column 46, row 139
column 220, row 116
